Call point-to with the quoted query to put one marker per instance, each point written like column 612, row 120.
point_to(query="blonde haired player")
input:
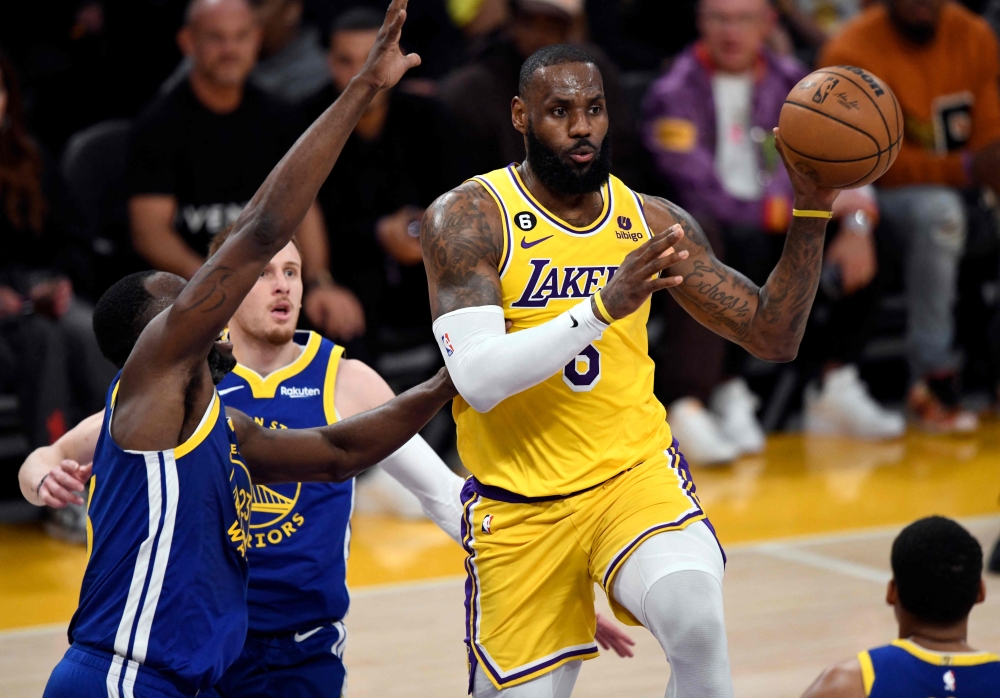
column 576, row 478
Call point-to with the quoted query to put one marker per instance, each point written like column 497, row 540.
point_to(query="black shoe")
column 994, row 563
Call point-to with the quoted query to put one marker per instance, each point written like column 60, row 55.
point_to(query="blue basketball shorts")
column 84, row 672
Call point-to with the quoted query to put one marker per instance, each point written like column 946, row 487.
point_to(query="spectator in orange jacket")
column 941, row 61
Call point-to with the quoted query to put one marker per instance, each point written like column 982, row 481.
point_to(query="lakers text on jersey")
column 598, row 416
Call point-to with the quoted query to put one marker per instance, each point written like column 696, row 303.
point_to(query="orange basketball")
column 841, row 126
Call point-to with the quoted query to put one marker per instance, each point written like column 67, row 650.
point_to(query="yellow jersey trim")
column 945, row 658
column 262, row 387
column 556, row 220
column 90, row 525
column 114, row 395
column 867, row 672
column 203, row 430
column 330, row 385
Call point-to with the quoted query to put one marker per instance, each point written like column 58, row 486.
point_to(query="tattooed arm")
column 462, row 239
column 768, row 321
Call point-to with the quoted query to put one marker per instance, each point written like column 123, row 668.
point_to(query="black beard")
column 557, row 175
column 219, row 364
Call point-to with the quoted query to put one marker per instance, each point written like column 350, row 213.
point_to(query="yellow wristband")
column 799, row 213
column 600, row 306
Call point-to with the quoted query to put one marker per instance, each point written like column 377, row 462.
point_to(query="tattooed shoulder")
column 661, row 214
column 462, row 240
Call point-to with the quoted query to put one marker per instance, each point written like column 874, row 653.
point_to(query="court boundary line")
column 783, row 548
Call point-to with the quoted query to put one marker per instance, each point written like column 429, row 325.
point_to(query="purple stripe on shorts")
column 642, row 536
column 503, row 680
column 470, row 607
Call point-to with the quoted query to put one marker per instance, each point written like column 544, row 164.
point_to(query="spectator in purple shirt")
column 708, row 123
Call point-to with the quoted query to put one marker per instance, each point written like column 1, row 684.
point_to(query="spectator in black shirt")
column 398, row 160
column 201, row 150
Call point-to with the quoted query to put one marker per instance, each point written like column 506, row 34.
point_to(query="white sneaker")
column 700, row 438
column 844, row 407
column 735, row 407
column 380, row 493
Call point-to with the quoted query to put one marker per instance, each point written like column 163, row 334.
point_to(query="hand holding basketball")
column 808, row 194
column 841, row 128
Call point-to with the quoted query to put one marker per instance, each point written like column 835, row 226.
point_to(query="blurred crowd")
column 132, row 131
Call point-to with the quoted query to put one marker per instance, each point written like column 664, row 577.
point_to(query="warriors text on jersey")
column 299, row 532
column 904, row 669
column 164, row 594
column 598, row 416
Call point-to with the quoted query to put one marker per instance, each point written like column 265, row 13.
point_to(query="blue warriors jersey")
column 299, row 532
column 904, row 669
column 167, row 534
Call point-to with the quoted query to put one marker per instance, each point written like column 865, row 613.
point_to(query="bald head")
column 222, row 38
column 734, row 31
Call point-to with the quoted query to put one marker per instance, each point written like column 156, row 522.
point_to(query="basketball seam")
column 848, row 184
column 878, row 151
column 864, row 91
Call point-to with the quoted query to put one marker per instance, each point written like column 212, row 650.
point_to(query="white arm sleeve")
column 488, row 366
column 417, row 468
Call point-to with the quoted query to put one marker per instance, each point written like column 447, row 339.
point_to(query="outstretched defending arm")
column 341, row 450
column 767, row 321
column 53, row 475
column 461, row 242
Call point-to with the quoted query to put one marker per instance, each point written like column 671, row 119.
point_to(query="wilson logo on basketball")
column 487, row 523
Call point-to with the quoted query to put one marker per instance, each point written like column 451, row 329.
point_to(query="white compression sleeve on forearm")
column 487, row 365
column 417, row 468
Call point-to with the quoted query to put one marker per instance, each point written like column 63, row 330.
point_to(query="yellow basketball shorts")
column 532, row 563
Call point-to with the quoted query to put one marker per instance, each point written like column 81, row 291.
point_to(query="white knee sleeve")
column 672, row 584
column 558, row 683
column 694, row 548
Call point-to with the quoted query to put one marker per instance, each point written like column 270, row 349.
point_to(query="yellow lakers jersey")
column 597, row 417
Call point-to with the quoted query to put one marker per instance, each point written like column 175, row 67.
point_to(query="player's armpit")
column 341, row 450
column 462, row 241
column 842, row 680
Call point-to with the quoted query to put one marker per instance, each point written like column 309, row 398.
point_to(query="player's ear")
column 981, row 596
column 519, row 115
column 892, row 594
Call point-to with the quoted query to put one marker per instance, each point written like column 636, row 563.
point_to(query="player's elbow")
column 779, row 354
column 480, row 396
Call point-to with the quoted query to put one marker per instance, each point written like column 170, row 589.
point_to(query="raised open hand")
column 639, row 275
column 387, row 63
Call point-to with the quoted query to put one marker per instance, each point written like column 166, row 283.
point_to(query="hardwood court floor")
column 807, row 525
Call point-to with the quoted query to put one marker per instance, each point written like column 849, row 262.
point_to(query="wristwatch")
column 859, row 223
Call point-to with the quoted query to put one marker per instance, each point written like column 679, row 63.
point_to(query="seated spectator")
column 708, row 122
column 941, row 61
column 292, row 63
column 479, row 94
column 937, row 569
column 48, row 353
column 201, row 149
column 401, row 156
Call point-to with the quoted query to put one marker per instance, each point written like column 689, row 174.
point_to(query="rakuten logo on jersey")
column 299, row 392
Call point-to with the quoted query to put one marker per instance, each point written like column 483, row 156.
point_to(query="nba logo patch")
column 446, row 341
column 487, row 523
column 949, row 676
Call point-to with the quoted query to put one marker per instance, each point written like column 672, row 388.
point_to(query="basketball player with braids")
column 576, row 478
column 163, row 605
